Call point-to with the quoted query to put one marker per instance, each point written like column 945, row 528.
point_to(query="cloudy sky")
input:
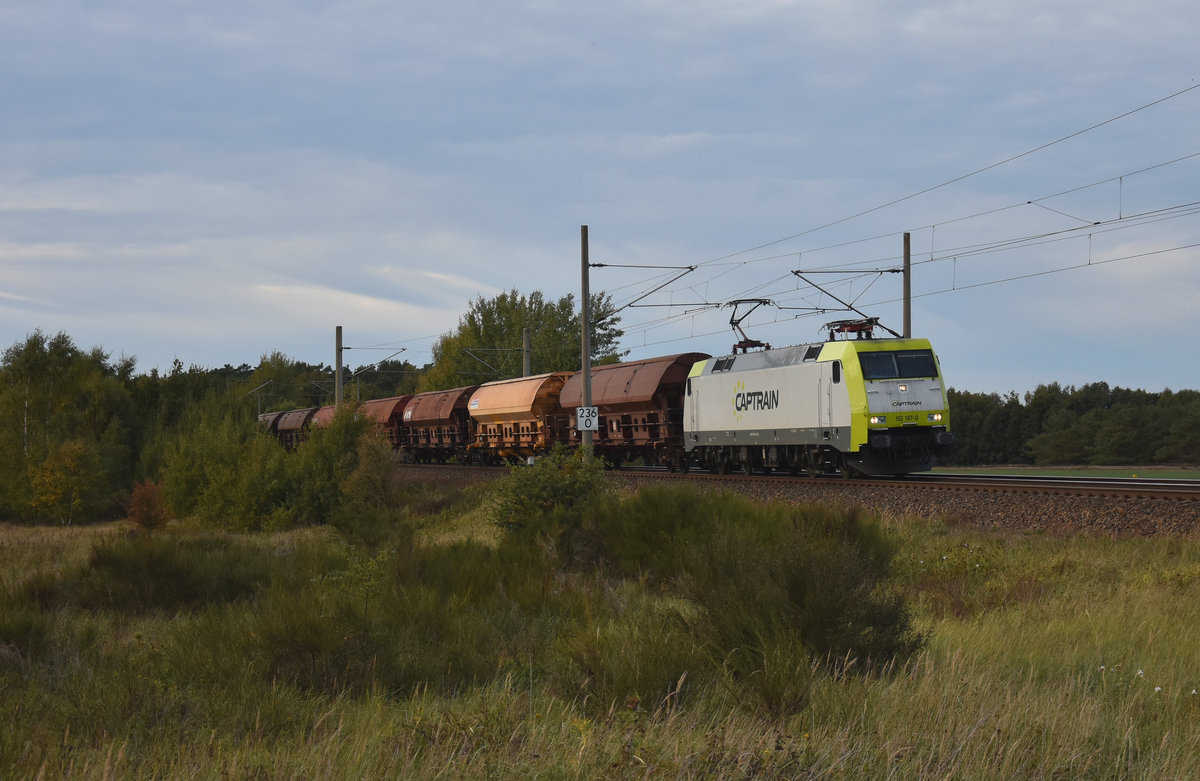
column 212, row 181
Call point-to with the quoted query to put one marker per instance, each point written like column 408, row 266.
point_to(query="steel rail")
column 1147, row 488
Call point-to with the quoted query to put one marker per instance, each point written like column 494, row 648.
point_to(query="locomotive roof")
column 803, row 353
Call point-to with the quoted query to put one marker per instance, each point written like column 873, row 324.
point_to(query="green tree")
column 67, row 428
column 281, row 383
column 1129, row 434
column 1065, row 439
column 1181, row 445
column 382, row 380
column 224, row 469
column 971, row 416
column 487, row 343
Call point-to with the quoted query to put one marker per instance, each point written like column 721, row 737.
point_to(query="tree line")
column 81, row 430
column 1092, row 425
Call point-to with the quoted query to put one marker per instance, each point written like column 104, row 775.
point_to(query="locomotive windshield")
column 897, row 365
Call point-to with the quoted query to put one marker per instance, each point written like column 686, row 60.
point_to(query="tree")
column 382, row 380
column 67, row 428
column 487, row 343
column 282, row 383
column 1066, row 438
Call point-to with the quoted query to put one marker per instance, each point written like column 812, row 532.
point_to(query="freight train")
column 845, row 406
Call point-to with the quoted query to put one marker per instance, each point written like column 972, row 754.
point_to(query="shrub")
column 141, row 574
column 775, row 586
column 562, row 480
column 234, row 474
column 643, row 649
column 372, row 483
column 145, row 508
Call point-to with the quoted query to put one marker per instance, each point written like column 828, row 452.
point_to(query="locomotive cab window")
column 837, row 371
column 897, row 365
column 916, row 363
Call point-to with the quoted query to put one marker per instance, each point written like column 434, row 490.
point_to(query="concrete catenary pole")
column 907, row 286
column 337, row 370
column 585, row 338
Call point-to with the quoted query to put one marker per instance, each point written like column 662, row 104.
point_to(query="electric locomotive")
column 863, row 406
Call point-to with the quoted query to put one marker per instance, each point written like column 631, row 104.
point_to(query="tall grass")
column 669, row 633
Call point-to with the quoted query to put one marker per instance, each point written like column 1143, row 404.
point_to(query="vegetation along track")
column 1058, row 505
column 1139, row 507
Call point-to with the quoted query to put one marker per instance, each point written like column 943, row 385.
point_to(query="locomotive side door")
column 690, row 405
column 829, row 376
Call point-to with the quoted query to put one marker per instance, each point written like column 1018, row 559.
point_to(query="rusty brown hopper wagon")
column 640, row 404
column 292, row 426
column 438, row 425
column 388, row 415
column 518, row 418
column 270, row 420
column 322, row 417
column 385, row 413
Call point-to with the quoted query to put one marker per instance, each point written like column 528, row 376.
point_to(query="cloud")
column 217, row 180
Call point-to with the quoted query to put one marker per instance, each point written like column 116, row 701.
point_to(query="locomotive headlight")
column 935, row 417
column 878, row 419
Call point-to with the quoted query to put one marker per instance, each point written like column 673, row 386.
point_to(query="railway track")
column 1141, row 507
column 1124, row 487
column 1148, row 488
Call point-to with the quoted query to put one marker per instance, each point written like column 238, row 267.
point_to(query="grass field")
column 425, row 652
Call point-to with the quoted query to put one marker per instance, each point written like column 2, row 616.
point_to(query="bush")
column 235, row 475
column 141, row 574
column 145, row 507
column 561, row 480
column 681, row 586
column 775, row 586
column 641, row 649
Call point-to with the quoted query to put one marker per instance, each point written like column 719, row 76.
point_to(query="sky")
column 216, row 181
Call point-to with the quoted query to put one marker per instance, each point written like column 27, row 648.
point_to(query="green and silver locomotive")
column 862, row 406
